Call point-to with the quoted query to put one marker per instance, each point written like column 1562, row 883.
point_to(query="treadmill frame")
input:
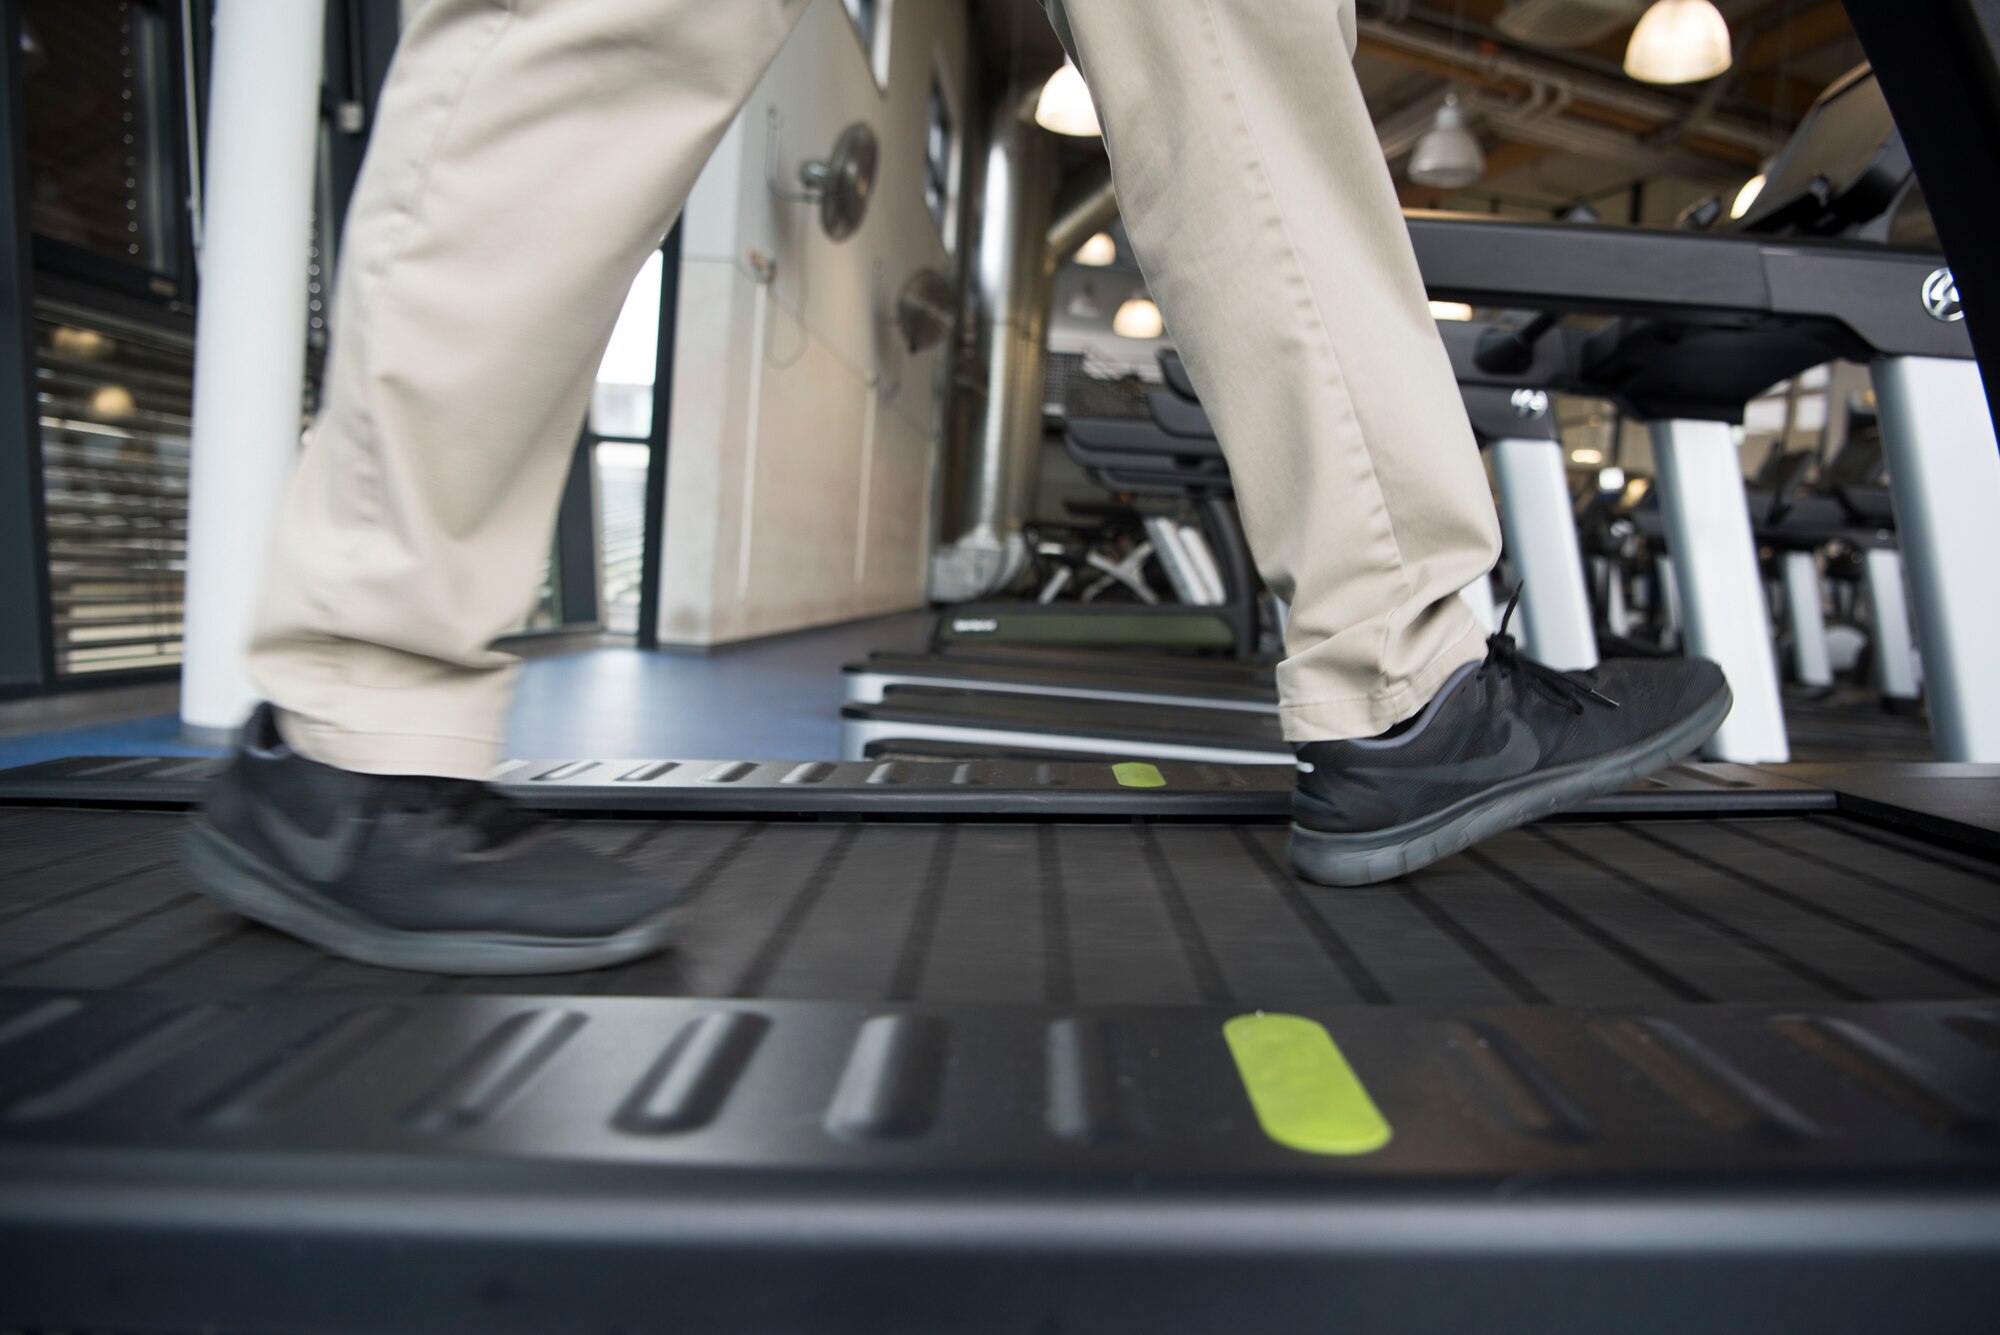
column 483, row 1163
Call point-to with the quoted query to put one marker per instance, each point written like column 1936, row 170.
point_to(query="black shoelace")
column 1505, row 657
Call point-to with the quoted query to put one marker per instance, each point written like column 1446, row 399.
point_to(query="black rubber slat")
column 850, row 945
column 1706, row 959
column 1409, row 957
column 1122, row 933
column 1949, row 883
column 1563, row 963
column 1771, row 910
column 1266, row 955
column 1856, row 964
column 990, row 940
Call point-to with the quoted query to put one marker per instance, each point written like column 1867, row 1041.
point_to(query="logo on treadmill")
column 1530, row 404
column 975, row 625
column 1941, row 297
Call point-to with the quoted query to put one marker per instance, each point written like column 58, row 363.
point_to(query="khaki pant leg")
column 1263, row 215
column 528, row 156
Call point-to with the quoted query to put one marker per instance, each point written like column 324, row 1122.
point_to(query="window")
column 621, row 420
column 871, row 25
column 863, row 12
column 937, row 159
column 100, row 123
column 114, row 400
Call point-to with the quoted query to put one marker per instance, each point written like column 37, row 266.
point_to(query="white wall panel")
column 804, row 524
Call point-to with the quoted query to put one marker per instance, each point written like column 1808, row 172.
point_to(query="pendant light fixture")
column 1138, row 318
column 1097, row 252
column 1448, row 156
column 1065, row 104
column 1747, row 196
column 1679, row 41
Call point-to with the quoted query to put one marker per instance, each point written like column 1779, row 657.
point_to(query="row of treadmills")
column 1685, row 357
column 967, row 1036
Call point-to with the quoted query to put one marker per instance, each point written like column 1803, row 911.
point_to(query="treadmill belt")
column 1787, row 909
column 1695, row 1067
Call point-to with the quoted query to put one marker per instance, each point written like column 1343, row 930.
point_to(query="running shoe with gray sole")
column 1505, row 742
column 436, row 875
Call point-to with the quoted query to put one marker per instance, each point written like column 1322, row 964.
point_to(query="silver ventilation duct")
column 1022, row 241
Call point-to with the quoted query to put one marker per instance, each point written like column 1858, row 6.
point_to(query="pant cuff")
column 389, row 753
column 1370, row 715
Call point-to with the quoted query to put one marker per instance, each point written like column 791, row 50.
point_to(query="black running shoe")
column 1505, row 742
column 438, row 875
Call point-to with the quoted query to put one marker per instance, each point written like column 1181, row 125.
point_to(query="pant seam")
column 1319, row 316
column 395, row 249
column 1433, row 673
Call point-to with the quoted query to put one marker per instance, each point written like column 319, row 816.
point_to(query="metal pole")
column 250, row 334
column 1944, row 479
column 1889, row 628
column 1725, row 615
column 1812, row 661
column 1536, row 515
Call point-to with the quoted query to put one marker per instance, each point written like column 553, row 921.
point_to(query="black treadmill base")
column 1696, row 1067
column 472, row 1164
column 1786, row 909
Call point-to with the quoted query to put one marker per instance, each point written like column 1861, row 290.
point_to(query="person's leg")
column 527, row 156
column 1261, row 210
column 1258, row 201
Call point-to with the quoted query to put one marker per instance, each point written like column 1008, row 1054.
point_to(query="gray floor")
column 779, row 699
column 775, row 699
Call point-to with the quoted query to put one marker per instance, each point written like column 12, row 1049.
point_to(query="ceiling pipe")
column 1085, row 207
column 1697, row 119
column 1537, row 119
column 1583, row 89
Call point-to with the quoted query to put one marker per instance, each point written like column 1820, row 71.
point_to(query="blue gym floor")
column 776, row 699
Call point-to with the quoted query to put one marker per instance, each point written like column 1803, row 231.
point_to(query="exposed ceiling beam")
column 1443, row 68
column 1612, row 101
column 1511, row 157
column 1807, row 31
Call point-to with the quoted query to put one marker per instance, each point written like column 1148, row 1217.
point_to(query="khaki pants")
column 528, row 156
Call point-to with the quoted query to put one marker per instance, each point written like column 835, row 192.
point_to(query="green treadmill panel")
column 1306, row 1095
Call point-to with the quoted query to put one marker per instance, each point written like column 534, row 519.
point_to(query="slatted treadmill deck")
column 1656, row 1070
column 1796, row 909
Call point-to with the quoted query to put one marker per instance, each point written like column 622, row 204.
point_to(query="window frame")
column 873, row 24
column 944, row 93
column 184, row 39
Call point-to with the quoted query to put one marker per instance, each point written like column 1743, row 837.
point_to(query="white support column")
column 1201, row 564
column 1540, row 524
column 1166, row 539
column 1670, row 603
column 1889, row 639
column 250, row 333
column 1944, row 478
column 1609, row 578
column 1805, row 613
column 1725, row 616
